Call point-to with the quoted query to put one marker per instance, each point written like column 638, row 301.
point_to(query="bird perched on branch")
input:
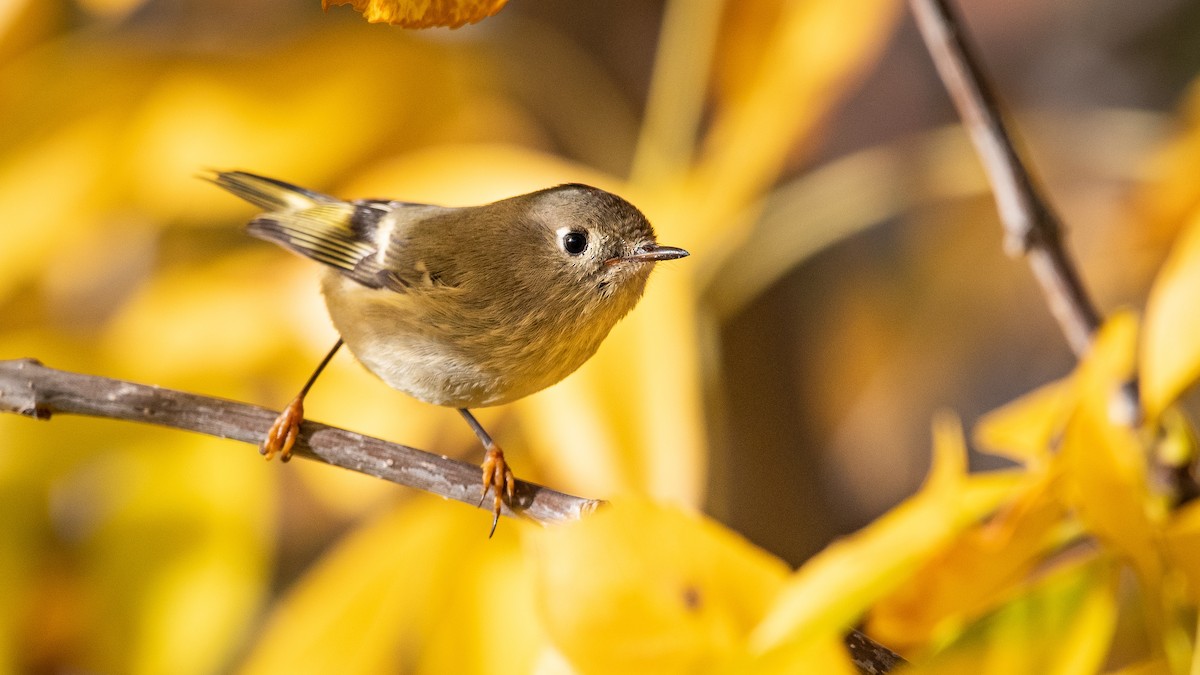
column 461, row 307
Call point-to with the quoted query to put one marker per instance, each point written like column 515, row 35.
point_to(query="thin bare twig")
column 31, row 389
column 1032, row 229
column 870, row 657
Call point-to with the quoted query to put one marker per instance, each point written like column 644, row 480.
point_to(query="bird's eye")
column 574, row 243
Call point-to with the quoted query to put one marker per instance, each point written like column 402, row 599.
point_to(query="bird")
column 462, row 307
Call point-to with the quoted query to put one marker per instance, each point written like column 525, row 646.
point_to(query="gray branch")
column 31, row 389
column 1031, row 227
column 870, row 657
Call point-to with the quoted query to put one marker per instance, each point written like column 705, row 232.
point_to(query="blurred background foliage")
column 847, row 282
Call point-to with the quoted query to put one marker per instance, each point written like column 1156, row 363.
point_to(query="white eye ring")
column 572, row 240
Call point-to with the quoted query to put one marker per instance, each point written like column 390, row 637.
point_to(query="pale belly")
column 450, row 360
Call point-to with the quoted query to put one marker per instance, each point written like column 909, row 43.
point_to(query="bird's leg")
column 496, row 474
column 282, row 434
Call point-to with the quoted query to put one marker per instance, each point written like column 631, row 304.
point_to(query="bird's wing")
column 344, row 235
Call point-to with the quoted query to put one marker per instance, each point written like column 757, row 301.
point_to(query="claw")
column 498, row 478
column 283, row 432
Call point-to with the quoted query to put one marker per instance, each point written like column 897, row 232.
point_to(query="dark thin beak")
column 650, row 253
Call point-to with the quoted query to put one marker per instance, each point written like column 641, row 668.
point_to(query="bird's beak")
column 649, row 253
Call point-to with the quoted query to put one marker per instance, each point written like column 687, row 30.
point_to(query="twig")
column 1032, row 229
column 870, row 657
column 31, row 389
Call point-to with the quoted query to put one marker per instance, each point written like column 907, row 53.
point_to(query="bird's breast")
column 448, row 348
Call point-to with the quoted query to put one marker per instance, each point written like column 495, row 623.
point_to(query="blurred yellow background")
column 846, row 282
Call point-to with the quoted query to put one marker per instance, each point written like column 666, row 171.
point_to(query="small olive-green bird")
column 462, row 307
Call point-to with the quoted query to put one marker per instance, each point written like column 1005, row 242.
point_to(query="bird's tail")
column 267, row 193
column 310, row 223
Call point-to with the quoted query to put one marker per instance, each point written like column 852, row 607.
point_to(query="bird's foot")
column 498, row 478
column 282, row 435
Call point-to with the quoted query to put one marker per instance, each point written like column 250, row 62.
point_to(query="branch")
column 1031, row 227
column 870, row 657
column 31, row 389
column 28, row 388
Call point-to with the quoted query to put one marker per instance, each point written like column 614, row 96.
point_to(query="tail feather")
column 331, row 231
column 268, row 193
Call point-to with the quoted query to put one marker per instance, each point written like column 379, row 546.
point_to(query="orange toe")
column 498, row 478
column 281, row 437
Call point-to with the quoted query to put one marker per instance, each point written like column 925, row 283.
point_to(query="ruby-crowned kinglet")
column 462, row 307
